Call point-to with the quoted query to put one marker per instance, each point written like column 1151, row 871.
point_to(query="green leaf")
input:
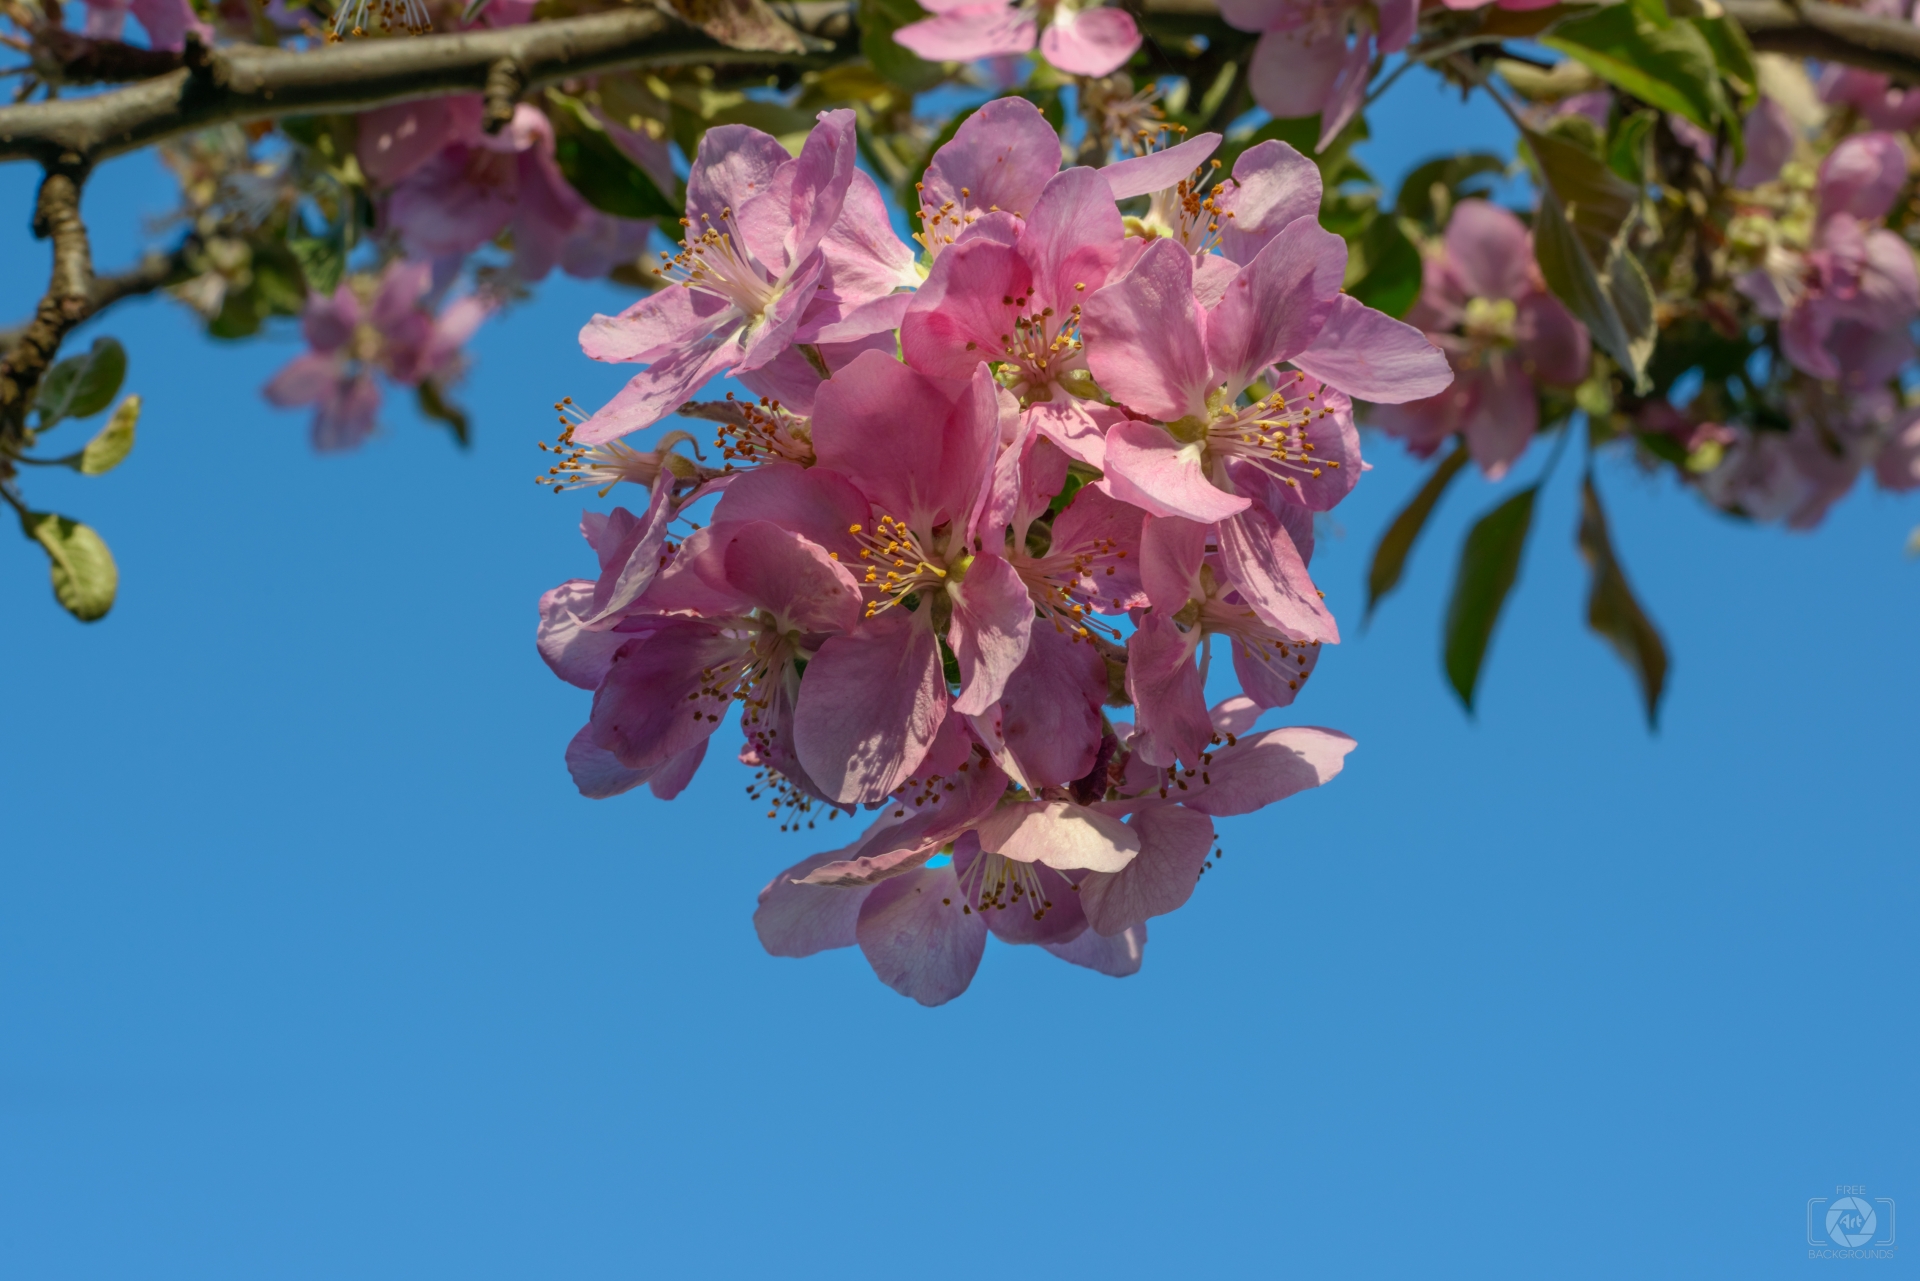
column 84, row 575
column 435, row 405
column 1390, row 557
column 1627, row 149
column 1579, row 240
column 278, row 282
column 1390, row 268
column 1489, row 563
column 110, row 448
column 596, row 168
column 1454, row 175
column 1733, row 54
column 83, row 385
column 1612, row 610
column 896, row 63
column 322, row 259
column 1671, row 67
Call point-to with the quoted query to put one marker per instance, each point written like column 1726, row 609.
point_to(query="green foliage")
column 1489, row 564
column 322, row 258
column 110, row 447
column 274, row 285
column 598, row 169
column 1637, row 47
column 897, row 64
column 82, row 385
column 1428, row 194
column 434, row 404
column 1390, row 557
column 1627, row 149
column 85, row 578
column 1579, row 238
column 1383, row 267
column 1612, row 610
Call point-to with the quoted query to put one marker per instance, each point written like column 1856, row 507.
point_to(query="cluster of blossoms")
column 1080, row 39
column 984, row 497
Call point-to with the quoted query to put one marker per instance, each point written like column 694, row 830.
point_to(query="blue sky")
column 312, row 963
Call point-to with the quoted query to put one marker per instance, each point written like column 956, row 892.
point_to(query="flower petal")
column 1269, row 767
column 1156, row 473
column 1371, row 356
column 1144, row 336
column 795, row 918
column 992, row 619
column 916, row 937
column 1174, row 841
column 870, row 704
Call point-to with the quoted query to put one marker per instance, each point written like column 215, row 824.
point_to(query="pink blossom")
column 1079, row 40
column 1485, row 304
column 362, row 329
column 167, row 22
column 1304, row 64
column 778, row 252
column 1873, row 94
column 1845, row 303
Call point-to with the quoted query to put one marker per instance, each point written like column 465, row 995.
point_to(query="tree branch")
column 56, row 217
column 245, row 82
column 1809, row 29
column 153, row 272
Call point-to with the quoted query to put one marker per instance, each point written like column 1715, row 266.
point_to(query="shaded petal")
column 812, row 501
column 899, row 437
column 1271, row 675
column 1862, row 176
column 917, row 939
column 1551, row 340
column 658, row 698
column 1117, row 957
column 907, row 834
column 1167, row 693
column 576, row 655
column 734, row 164
column 1502, row 414
column 305, row 380
column 992, row 619
column 799, row 919
column 1174, row 842
column 1292, row 75
column 792, row 578
column 1049, row 714
column 1171, row 552
column 870, row 704
column 1490, row 250
column 1262, row 562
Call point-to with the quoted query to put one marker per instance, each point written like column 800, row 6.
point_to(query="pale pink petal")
column 1077, row 427
column 970, row 33
column 735, row 163
column 822, row 173
column 576, row 655
column 1092, row 42
column 661, row 388
column 1144, row 338
column 1292, row 75
column 1272, row 185
column 1349, row 90
column 305, row 380
column 1174, row 842
column 1059, row 834
column 1770, row 137
column 865, row 259
column 1268, row 767
column 1862, row 176
column 1000, row 156
column 629, row 566
column 1163, row 477
column 1165, row 687
column 916, row 937
column 916, row 453
column 1278, row 303
column 870, row 704
column 655, row 327
column 1072, row 239
column 1502, row 416
column 1159, row 170
column 1371, row 356
column 1171, row 552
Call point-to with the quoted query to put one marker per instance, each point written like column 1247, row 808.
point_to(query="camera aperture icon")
column 1851, row 1221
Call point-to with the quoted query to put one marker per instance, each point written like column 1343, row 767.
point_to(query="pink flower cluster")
column 971, row 512
column 366, row 327
column 1484, row 302
column 1315, row 57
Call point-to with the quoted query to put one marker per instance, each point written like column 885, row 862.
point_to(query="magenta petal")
column 917, row 939
column 1371, row 356
column 1049, row 713
column 1160, row 170
column 576, row 655
column 1261, row 561
column 1166, row 690
column 1117, row 957
column 1291, row 75
column 887, row 428
column 1092, row 42
column 1174, row 841
column 969, row 33
column 1156, row 473
column 1001, row 155
column 658, row 698
column 956, row 317
column 870, row 704
column 1144, row 338
column 1269, row 767
column 814, row 502
column 1277, row 304
column 797, row 919
column 992, row 619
